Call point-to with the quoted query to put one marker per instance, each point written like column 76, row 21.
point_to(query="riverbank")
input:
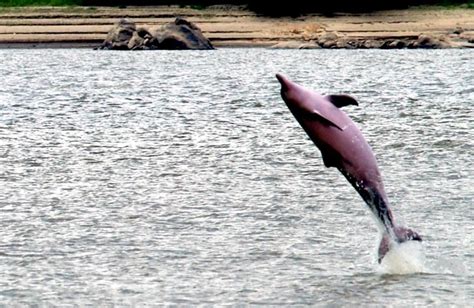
column 233, row 26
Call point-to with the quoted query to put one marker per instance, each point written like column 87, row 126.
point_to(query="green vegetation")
column 16, row 3
column 198, row 7
column 278, row 8
column 457, row 4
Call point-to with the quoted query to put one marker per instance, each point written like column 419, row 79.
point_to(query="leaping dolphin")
column 343, row 146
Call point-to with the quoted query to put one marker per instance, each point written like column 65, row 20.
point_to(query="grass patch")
column 278, row 8
column 452, row 4
column 198, row 7
column 17, row 3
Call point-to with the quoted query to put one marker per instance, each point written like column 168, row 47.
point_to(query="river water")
column 151, row 178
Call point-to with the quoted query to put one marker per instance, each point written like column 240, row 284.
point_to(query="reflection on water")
column 182, row 178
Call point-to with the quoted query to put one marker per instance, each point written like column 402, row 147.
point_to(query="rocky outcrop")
column 120, row 35
column 177, row 35
column 430, row 42
column 338, row 41
column 181, row 34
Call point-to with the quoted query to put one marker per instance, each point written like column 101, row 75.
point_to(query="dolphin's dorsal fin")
column 341, row 100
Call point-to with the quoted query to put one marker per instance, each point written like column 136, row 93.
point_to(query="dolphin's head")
column 300, row 100
column 307, row 105
column 401, row 235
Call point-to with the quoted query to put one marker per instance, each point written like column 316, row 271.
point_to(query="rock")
column 458, row 30
column 429, row 42
column 328, row 36
column 181, row 34
column 467, row 37
column 328, row 44
column 309, row 45
column 425, row 41
column 371, row 44
column 119, row 36
column 394, row 44
column 398, row 44
column 142, row 32
column 136, row 42
column 328, row 40
column 334, row 40
column 295, row 45
column 353, row 44
column 287, row 45
column 445, row 42
column 140, row 40
column 346, row 44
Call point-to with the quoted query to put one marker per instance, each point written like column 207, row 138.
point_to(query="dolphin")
column 343, row 146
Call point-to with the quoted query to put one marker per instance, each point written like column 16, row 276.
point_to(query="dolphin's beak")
column 292, row 93
column 285, row 83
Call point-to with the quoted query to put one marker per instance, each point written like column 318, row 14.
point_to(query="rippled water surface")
column 152, row 178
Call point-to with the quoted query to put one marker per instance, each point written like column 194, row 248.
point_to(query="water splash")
column 404, row 258
column 409, row 258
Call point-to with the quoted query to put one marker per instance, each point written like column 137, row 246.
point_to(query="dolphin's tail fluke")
column 399, row 235
column 379, row 206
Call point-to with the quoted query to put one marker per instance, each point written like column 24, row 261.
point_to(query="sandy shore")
column 229, row 26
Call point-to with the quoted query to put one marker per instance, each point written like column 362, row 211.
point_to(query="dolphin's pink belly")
column 349, row 149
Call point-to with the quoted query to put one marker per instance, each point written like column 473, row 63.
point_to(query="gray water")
column 149, row 178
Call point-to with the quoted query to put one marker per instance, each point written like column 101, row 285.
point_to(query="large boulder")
column 120, row 35
column 328, row 40
column 430, row 42
column 140, row 40
column 181, row 34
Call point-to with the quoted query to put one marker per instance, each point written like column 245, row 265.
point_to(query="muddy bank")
column 233, row 26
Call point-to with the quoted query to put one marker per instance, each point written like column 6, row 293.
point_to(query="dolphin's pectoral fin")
column 319, row 117
column 328, row 159
column 342, row 100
